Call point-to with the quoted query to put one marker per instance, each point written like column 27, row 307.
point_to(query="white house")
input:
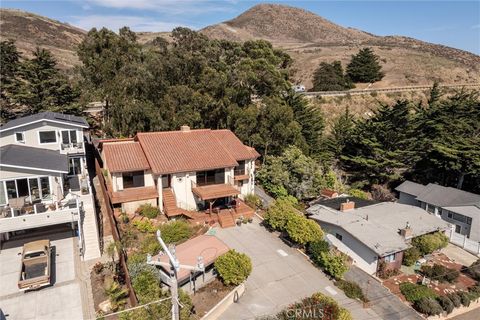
column 373, row 232
column 180, row 171
column 42, row 158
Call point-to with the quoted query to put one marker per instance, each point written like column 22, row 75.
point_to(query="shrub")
column 315, row 248
column 475, row 292
column 440, row 273
column 357, row 193
column 455, row 298
column 176, row 231
column 98, row 267
column 145, row 226
column 414, row 292
column 150, row 245
column 279, row 213
column 384, row 272
column 334, row 264
column 428, row 306
column 464, row 298
column 233, row 267
column 351, row 289
column 428, row 243
column 303, row 230
column 474, row 270
column 146, row 285
column 410, row 256
column 149, row 211
column 116, row 294
column 253, row 201
column 446, row 304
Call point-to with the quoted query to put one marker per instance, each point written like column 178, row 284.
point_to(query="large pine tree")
column 330, row 77
column 365, row 67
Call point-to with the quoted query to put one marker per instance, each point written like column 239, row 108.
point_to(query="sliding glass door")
column 34, row 188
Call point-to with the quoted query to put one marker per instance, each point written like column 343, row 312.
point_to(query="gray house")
column 455, row 206
column 371, row 233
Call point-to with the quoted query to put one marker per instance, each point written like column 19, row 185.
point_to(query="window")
column 338, row 236
column 20, row 137
column 449, row 214
column 469, row 221
column 47, row 136
column 210, row 177
column 240, row 169
column 35, row 188
column 431, row 208
column 133, row 179
column 74, row 166
column 69, row 136
column 458, row 229
column 389, row 258
column 45, row 187
column 11, row 189
column 3, row 199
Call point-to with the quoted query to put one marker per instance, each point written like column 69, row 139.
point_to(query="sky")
column 452, row 23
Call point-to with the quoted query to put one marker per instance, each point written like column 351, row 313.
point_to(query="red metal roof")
column 184, row 151
column 124, row 157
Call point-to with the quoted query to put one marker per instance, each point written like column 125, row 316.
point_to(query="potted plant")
column 239, row 222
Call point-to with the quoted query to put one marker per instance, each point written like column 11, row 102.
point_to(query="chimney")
column 406, row 232
column 329, row 193
column 185, row 128
column 347, row 206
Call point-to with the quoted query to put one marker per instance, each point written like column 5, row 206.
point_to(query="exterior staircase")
column 226, row 220
column 90, row 229
column 170, row 204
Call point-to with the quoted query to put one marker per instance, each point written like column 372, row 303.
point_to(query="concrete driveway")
column 60, row 301
column 280, row 276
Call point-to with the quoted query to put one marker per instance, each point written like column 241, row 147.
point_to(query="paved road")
column 471, row 315
column 384, row 303
column 280, row 276
column 266, row 199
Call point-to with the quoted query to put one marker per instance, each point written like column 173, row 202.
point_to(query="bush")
column 351, row 290
column 150, row 245
column 410, row 256
column 145, row 226
column 455, row 298
column 315, row 248
column 464, row 298
column 303, row 230
column 357, row 193
column 428, row 306
column 334, row 264
column 414, row 292
column 253, row 201
column 279, row 213
column 384, row 272
column 176, row 231
column 233, row 267
column 428, row 243
column 146, row 285
column 98, row 267
column 475, row 292
column 440, row 273
column 474, row 270
column 147, row 210
column 446, row 304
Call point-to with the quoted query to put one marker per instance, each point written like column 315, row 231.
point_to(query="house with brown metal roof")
column 183, row 172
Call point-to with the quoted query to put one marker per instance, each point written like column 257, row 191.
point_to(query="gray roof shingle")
column 447, row 196
column 33, row 158
column 411, row 188
column 52, row 116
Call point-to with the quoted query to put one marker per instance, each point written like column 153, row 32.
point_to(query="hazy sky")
column 453, row 23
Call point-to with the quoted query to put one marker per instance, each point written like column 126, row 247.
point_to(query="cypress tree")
column 330, row 77
column 365, row 67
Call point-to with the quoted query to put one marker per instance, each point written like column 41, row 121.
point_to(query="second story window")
column 69, row 137
column 133, row 179
column 240, row 169
column 20, row 137
column 47, row 136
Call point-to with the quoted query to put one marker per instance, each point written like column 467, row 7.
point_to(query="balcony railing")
column 72, row 147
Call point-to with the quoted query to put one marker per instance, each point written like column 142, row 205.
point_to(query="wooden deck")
column 225, row 217
column 132, row 194
column 215, row 191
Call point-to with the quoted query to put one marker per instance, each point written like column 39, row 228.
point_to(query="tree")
column 9, row 78
column 342, row 129
column 334, row 264
column 330, row 77
column 303, row 230
column 233, row 267
column 365, row 67
column 279, row 213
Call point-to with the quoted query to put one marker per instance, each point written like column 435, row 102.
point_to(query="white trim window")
column 20, row 137
column 390, row 258
column 47, row 137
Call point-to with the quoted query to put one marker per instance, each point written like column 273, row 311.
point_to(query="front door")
column 166, row 181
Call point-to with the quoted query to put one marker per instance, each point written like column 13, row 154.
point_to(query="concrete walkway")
column 90, row 229
column 281, row 276
column 383, row 302
column 266, row 199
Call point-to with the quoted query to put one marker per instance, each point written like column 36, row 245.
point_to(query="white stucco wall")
column 182, row 188
column 132, row 206
column 363, row 257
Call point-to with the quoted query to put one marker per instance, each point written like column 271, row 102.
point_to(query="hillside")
column 311, row 39
column 307, row 37
column 30, row 30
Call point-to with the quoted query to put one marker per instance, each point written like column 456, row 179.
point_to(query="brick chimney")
column 185, row 128
column 329, row 193
column 347, row 206
column 406, row 232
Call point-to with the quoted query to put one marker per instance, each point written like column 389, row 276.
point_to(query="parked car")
column 36, row 265
column 299, row 88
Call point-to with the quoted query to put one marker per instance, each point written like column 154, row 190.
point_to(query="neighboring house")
column 371, row 232
column 455, row 206
column 180, row 171
column 42, row 158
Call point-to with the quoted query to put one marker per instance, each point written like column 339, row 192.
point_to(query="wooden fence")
column 115, row 232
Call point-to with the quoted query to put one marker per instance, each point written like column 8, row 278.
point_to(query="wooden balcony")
column 132, row 194
column 214, row 191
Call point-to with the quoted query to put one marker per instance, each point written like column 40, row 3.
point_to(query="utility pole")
column 174, row 265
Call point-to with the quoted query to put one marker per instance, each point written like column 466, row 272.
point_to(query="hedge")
column 446, row 304
column 428, row 306
column 233, row 267
column 410, row 256
column 440, row 273
column 351, row 290
column 428, row 243
column 302, row 230
column 455, row 298
column 334, row 264
column 414, row 292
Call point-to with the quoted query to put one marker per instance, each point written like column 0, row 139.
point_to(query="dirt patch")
column 99, row 276
column 208, row 296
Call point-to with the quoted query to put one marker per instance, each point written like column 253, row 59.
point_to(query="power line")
column 133, row 308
